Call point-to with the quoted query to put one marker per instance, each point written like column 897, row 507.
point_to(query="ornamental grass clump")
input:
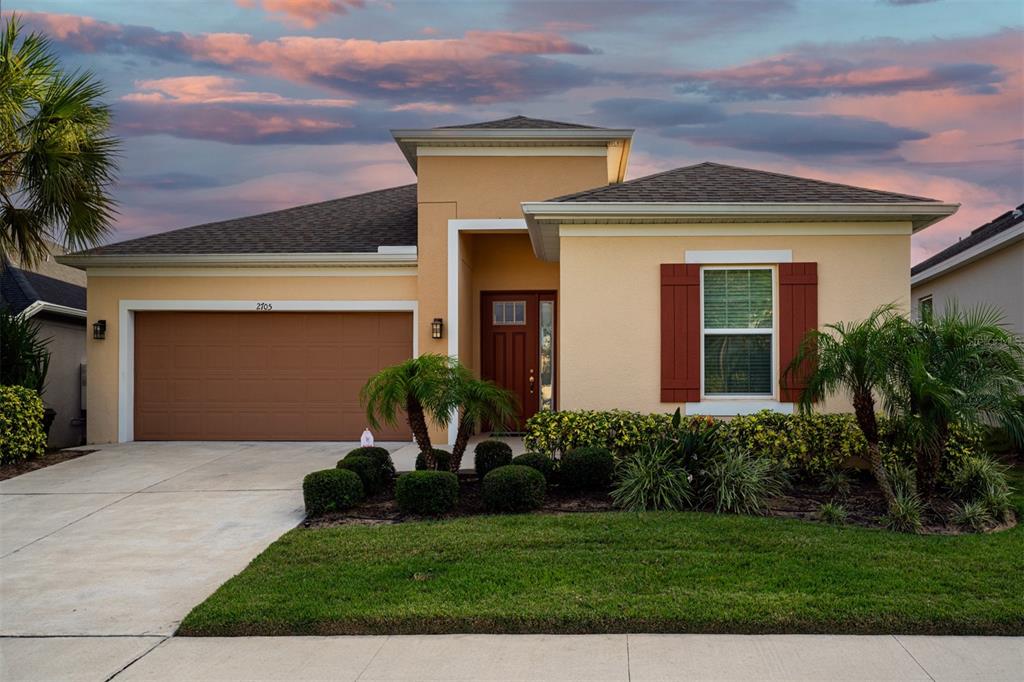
column 653, row 479
column 735, row 481
column 833, row 513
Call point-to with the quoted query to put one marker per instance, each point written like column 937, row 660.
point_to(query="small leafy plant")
column 833, row 513
column 653, row 478
column 973, row 515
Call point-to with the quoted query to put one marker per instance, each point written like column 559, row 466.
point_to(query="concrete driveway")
column 126, row 540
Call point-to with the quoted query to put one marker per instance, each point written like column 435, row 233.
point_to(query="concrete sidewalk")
column 523, row 657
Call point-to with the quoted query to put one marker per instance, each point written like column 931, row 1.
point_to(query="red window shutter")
column 680, row 333
column 798, row 314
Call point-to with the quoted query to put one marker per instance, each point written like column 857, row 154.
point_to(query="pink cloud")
column 306, row 13
column 215, row 90
column 480, row 66
column 431, row 107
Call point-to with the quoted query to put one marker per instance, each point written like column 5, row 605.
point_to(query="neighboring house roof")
column 982, row 240
column 357, row 224
column 29, row 292
column 715, row 182
column 519, row 123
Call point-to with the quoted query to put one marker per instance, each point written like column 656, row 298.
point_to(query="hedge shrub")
column 21, row 424
column 513, row 488
column 379, row 455
column 805, row 445
column 542, row 463
column 586, row 469
column 427, row 493
column 368, row 470
column 442, row 458
column 489, row 455
column 331, row 490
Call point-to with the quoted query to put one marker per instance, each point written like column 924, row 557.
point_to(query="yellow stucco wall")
column 471, row 187
column 610, row 303
column 105, row 293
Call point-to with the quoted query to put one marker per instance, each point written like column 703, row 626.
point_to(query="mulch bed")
column 864, row 507
column 49, row 458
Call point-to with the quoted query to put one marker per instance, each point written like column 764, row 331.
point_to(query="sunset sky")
column 235, row 107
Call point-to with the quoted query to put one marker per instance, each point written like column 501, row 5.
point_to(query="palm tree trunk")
column 461, row 441
column 420, row 432
column 864, row 409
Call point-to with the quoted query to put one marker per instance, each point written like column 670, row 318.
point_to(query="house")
column 522, row 251
column 984, row 268
column 53, row 295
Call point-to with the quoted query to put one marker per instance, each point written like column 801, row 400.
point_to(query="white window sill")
column 731, row 407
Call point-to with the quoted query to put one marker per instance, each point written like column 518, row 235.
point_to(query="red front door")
column 517, row 347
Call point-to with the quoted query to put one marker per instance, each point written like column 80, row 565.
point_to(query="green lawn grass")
column 620, row 572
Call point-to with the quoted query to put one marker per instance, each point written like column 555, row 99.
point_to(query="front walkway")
column 523, row 657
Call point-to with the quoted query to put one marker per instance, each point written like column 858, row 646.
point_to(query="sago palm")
column 852, row 358
column 419, row 387
column 477, row 402
column 958, row 367
column 56, row 159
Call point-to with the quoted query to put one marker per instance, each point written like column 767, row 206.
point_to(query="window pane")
column 499, row 313
column 738, row 364
column 737, row 299
column 547, row 355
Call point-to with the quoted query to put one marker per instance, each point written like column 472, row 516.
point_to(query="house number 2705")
column 264, row 307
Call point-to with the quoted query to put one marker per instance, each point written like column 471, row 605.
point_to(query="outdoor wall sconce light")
column 437, row 328
column 99, row 329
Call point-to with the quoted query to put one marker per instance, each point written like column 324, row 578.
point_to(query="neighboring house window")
column 924, row 308
column 738, row 331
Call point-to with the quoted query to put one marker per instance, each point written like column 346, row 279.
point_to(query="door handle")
column 532, row 381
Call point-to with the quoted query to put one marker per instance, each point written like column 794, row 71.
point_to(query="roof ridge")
column 629, row 182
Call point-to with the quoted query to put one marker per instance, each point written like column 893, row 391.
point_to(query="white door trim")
column 126, row 335
column 454, row 258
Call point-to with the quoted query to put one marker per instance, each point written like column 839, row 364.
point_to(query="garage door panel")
column 261, row 376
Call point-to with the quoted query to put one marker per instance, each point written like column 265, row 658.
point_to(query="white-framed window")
column 925, row 307
column 738, row 331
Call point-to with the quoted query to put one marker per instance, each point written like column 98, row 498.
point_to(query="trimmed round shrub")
column 427, row 493
column 536, row 460
column 442, row 458
column 513, row 488
column 379, row 455
column 331, row 490
column 21, row 424
column 489, row 455
column 368, row 470
column 587, row 469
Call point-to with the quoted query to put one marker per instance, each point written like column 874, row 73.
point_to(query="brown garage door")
column 261, row 376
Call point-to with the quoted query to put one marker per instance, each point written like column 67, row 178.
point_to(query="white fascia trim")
column 44, row 307
column 896, row 210
column 240, row 259
column 737, row 407
column 126, row 335
column 972, row 254
column 511, row 151
column 730, row 257
column 397, row 249
column 326, row 271
column 454, row 260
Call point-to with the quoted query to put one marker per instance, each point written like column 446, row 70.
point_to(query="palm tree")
column 852, row 358
column 56, row 160
column 478, row 401
column 959, row 367
column 419, row 386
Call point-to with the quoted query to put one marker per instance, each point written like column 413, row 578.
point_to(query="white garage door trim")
column 126, row 335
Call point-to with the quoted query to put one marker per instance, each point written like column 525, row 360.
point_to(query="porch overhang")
column 547, row 220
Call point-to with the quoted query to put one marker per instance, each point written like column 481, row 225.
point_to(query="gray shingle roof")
column 21, row 288
column 977, row 236
column 355, row 224
column 715, row 182
column 519, row 123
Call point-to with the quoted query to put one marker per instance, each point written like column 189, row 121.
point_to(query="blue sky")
column 233, row 107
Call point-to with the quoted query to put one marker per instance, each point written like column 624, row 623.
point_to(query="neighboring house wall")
column 475, row 187
column 325, row 284
column 996, row 279
column 63, row 384
column 609, row 297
